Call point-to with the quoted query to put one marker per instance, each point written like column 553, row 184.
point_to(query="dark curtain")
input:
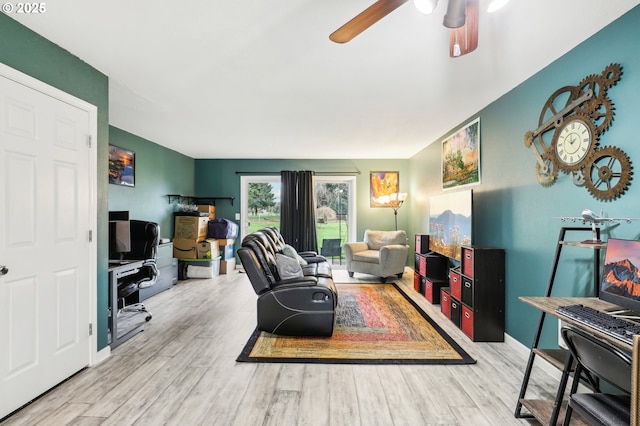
column 297, row 210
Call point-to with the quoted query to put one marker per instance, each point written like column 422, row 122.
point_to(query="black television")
column 119, row 234
column 620, row 283
column 451, row 223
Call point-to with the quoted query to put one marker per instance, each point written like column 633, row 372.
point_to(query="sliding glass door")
column 335, row 214
column 335, row 209
column 259, row 203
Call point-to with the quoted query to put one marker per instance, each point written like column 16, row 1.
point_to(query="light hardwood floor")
column 182, row 371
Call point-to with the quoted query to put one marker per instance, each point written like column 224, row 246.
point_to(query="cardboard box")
column 228, row 266
column 185, row 248
column 208, row 209
column 208, row 249
column 191, row 227
column 227, row 248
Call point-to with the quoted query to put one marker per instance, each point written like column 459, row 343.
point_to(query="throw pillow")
column 287, row 267
column 289, row 251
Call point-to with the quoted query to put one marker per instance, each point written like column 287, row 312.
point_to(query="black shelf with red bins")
column 472, row 294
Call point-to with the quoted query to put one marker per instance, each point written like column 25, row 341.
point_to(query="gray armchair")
column 382, row 253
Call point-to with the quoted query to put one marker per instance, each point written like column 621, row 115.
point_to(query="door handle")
column 3, row 270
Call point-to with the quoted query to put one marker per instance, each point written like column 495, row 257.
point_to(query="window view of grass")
column 331, row 218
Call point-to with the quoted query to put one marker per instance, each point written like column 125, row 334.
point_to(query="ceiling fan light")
column 455, row 16
column 425, row 6
column 456, row 50
column 496, row 4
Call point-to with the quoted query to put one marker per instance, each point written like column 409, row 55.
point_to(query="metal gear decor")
column 608, row 173
column 567, row 138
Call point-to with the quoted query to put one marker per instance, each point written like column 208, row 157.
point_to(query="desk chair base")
column 137, row 307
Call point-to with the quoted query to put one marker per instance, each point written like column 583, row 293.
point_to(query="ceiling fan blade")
column 465, row 37
column 365, row 19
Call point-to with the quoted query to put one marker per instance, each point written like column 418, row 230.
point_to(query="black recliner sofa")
column 299, row 306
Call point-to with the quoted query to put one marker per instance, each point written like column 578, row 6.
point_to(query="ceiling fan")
column 461, row 19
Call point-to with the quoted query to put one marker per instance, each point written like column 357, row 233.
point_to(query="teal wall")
column 26, row 51
column 158, row 171
column 511, row 209
column 219, row 178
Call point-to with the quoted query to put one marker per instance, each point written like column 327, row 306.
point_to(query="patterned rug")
column 375, row 324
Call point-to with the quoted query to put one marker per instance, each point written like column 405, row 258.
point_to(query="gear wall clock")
column 568, row 135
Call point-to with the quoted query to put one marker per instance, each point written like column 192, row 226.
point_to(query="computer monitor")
column 119, row 238
column 621, row 274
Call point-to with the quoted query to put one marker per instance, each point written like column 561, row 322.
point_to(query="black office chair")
column 597, row 359
column 331, row 247
column 144, row 246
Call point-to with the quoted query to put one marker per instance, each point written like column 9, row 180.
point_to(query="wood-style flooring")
column 182, row 371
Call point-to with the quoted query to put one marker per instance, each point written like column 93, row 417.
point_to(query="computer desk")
column 547, row 411
column 119, row 329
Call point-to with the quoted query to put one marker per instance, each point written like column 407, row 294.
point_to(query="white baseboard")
column 101, row 355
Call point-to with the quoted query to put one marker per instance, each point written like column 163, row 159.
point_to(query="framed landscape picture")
column 461, row 157
column 122, row 166
column 383, row 184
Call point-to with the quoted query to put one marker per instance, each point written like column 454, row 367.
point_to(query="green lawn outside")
column 324, row 230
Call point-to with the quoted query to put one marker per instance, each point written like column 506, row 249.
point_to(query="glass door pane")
column 335, row 215
column 260, row 203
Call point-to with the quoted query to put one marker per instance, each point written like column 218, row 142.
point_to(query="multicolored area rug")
column 376, row 324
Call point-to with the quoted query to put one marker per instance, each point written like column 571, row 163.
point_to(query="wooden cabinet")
column 471, row 294
column 430, row 272
column 476, row 291
column 482, row 288
column 432, row 289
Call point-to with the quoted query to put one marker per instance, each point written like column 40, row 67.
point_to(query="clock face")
column 573, row 143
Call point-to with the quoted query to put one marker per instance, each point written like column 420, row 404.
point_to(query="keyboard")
column 615, row 327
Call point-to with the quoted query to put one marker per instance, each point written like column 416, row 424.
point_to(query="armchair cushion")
column 368, row 256
column 378, row 239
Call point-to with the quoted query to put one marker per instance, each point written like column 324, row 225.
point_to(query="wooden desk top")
column 550, row 304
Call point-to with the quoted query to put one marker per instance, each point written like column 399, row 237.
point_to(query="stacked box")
column 191, row 227
column 208, row 249
column 198, row 268
column 185, row 248
column 210, row 210
column 228, row 255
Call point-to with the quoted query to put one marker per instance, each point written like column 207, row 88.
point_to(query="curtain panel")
column 297, row 210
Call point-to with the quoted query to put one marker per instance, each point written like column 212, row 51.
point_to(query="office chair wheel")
column 148, row 318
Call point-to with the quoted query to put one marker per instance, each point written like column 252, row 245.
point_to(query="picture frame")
column 122, row 166
column 461, row 157
column 382, row 185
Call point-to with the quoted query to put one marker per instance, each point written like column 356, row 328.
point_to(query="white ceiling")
column 261, row 79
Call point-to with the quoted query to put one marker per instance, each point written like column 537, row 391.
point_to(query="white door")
column 45, row 218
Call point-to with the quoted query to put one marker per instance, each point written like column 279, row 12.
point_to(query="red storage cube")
column 445, row 303
column 466, row 321
column 467, row 261
column 455, row 282
column 423, row 266
column 416, row 282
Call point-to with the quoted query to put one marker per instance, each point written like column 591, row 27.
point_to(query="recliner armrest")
column 295, row 282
